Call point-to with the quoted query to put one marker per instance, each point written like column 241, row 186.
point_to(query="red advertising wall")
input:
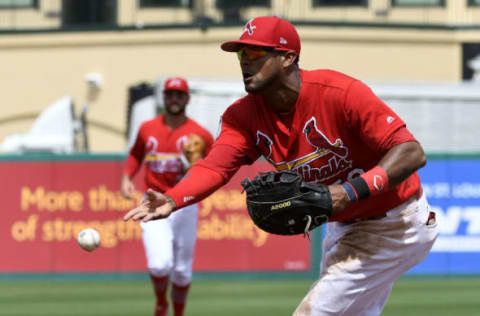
column 228, row 240
column 45, row 204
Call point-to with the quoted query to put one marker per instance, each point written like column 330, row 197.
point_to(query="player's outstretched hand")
column 154, row 206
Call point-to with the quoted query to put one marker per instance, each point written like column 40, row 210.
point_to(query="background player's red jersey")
column 160, row 147
column 338, row 130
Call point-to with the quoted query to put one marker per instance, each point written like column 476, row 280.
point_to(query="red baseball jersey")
column 160, row 147
column 338, row 130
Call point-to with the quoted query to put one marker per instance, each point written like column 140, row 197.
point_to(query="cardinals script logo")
column 325, row 158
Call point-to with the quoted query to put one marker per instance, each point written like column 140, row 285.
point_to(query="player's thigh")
column 184, row 224
column 349, row 285
column 157, row 239
column 185, row 236
column 361, row 261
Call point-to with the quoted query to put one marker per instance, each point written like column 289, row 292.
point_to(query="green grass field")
column 214, row 297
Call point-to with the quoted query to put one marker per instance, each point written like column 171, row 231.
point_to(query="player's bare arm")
column 401, row 161
column 127, row 187
column 398, row 164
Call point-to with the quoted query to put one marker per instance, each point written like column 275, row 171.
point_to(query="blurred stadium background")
column 78, row 77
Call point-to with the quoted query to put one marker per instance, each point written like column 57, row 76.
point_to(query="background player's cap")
column 267, row 31
column 176, row 83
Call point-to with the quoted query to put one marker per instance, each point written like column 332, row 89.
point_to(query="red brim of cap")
column 234, row 46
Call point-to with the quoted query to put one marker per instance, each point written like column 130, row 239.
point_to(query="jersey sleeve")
column 402, row 135
column 198, row 183
column 224, row 160
column 232, row 149
column 135, row 155
column 207, row 175
column 371, row 119
column 235, row 131
column 234, row 146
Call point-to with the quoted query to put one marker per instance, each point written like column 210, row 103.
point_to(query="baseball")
column 89, row 239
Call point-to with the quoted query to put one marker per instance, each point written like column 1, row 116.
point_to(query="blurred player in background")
column 169, row 144
column 331, row 129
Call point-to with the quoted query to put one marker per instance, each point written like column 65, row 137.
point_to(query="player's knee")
column 159, row 272
column 160, row 269
column 182, row 277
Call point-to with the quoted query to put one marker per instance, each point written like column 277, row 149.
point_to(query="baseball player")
column 168, row 144
column 333, row 130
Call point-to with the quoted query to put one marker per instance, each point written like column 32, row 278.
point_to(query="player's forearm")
column 126, row 177
column 132, row 165
column 402, row 161
column 197, row 184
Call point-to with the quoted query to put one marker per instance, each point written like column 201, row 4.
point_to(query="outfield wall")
column 47, row 200
column 452, row 185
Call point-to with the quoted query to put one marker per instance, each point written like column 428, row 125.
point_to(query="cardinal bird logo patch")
column 321, row 143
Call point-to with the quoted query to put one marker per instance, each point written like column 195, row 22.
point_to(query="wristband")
column 372, row 182
column 376, row 179
column 171, row 202
column 351, row 193
column 361, row 188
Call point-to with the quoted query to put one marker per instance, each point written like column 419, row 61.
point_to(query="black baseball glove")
column 283, row 203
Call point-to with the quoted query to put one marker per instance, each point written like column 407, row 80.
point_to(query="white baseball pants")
column 362, row 260
column 169, row 245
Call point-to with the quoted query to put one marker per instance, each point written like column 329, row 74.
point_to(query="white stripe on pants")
column 360, row 261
